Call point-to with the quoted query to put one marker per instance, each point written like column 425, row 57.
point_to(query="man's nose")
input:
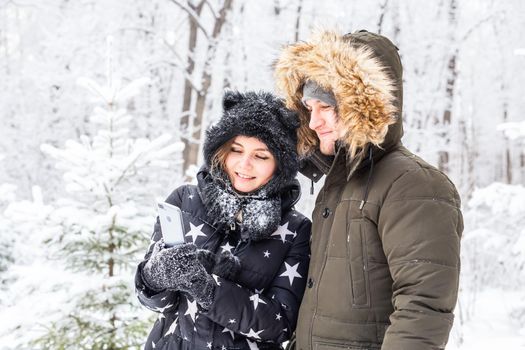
column 315, row 119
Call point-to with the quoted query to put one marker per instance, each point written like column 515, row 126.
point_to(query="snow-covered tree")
column 493, row 246
column 6, row 238
column 112, row 180
column 95, row 236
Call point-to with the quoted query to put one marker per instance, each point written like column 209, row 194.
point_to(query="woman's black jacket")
column 256, row 310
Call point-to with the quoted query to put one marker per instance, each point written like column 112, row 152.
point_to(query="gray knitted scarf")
column 257, row 214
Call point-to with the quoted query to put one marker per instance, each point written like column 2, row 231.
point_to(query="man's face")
column 323, row 120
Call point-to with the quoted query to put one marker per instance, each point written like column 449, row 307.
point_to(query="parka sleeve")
column 163, row 301
column 270, row 316
column 420, row 225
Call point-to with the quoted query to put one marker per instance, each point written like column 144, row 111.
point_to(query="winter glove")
column 225, row 265
column 207, row 259
column 178, row 268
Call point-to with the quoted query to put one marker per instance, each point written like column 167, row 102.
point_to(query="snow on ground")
column 491, row 326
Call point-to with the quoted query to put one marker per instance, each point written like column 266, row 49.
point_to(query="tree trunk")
column 382, row 8
column 186, row 119
column 298, row 20
column 197, row 124
column 446, row 120
column 276, row 7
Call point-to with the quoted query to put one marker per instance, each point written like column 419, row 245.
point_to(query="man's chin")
column 327, row 150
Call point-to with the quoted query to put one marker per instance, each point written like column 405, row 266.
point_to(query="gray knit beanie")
column 311, row 90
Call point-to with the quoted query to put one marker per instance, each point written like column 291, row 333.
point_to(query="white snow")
column 91, row 110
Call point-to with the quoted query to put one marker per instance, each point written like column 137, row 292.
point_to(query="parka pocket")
column 358, row 261
column 321, row 345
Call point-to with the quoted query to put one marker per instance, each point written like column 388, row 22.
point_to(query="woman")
column 238, row 280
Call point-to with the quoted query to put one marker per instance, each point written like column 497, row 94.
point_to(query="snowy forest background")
column 103, row 107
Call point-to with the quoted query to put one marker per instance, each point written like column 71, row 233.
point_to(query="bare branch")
column 194, row 16
column 476, row 26
column 188, row 77
column 214, row 13
column 168, row 45
column 138, row 29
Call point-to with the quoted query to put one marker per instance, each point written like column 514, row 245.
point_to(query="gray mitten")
column 207, row 259
column 227, row 265
column 178, row 268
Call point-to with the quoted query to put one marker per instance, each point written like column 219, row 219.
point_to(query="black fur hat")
column 264, row 116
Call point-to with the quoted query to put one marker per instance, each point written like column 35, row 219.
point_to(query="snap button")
column 310, row 283
column 326, row 212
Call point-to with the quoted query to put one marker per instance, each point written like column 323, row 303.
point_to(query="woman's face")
column 249, row 164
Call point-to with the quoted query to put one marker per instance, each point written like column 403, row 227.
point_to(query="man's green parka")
column 385, row 250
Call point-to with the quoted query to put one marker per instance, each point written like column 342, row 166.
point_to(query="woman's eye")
column 236, row 150
column 261, row 157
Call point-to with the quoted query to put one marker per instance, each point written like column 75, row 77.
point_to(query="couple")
column 384, row 263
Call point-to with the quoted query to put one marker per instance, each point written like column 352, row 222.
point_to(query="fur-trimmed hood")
column 364, row 72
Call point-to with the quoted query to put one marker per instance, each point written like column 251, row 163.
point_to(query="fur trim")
column 362, row 87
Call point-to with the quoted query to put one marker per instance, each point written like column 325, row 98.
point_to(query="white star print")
column 266, row 254
column 192, row 310
column 253, row 334
column 256, row 300
column 278, row 316
column 195, row 231
column 171, row 330
column 216, row 278
column 208, row 345
column 252, row 344
column 162, row 309
column 283, row 231
column 259, row 291
column 291, row 272
column 227, row 247
column 190, row 196
column 232, row 320
column 223, row 347
column 226, row 330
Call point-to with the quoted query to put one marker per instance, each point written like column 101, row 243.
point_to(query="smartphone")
column 171, row 223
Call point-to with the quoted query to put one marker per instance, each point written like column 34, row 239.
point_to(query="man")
column 386, row 226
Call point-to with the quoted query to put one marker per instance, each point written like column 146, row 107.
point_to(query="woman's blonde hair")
column 218, row 161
